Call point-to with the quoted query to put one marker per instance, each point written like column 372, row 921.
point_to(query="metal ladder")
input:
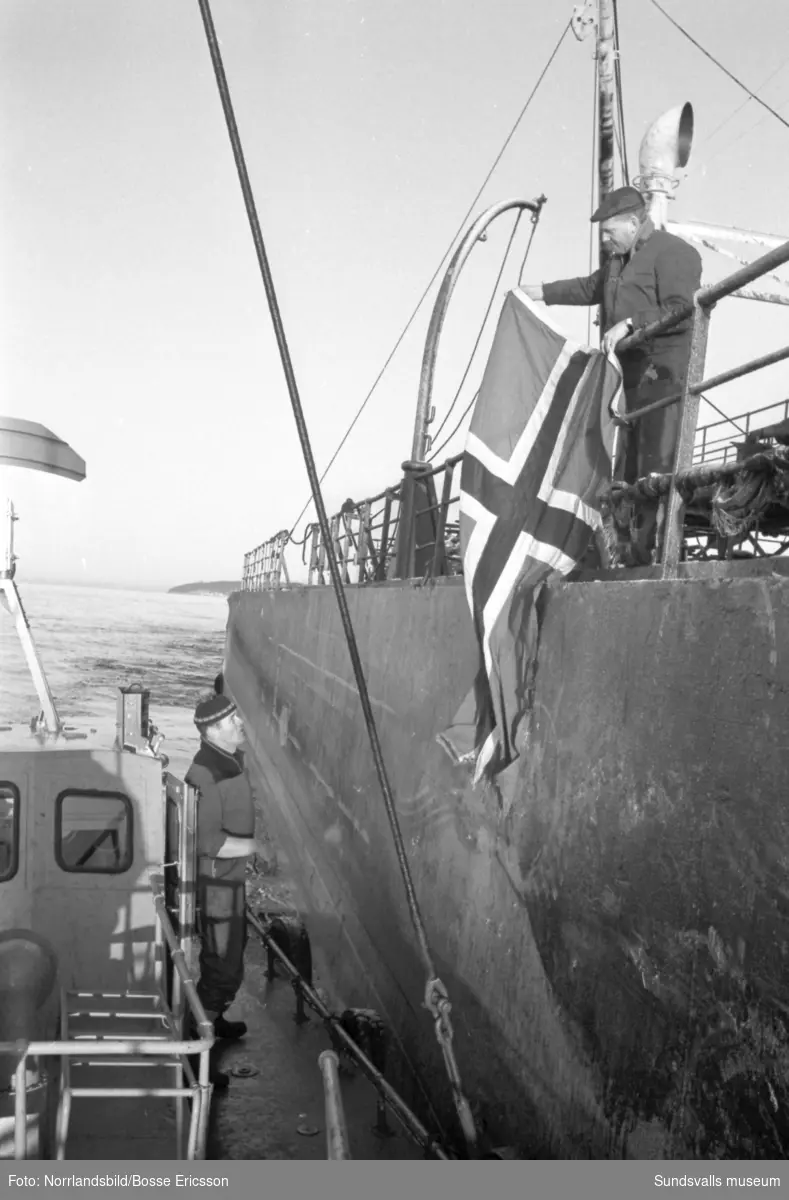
column 138, row 1036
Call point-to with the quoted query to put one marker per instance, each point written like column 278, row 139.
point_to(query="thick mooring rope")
column 436, row 997
column 732, row 495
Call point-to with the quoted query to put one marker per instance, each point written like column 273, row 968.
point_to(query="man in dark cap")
column 225, row 842
column 647, row 274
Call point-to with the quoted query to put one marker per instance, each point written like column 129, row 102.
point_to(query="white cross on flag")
column 538, row 453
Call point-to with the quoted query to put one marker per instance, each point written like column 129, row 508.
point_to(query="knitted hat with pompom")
column 213, row 709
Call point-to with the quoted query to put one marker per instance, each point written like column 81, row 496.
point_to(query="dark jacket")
column 659, row 276
column 225, row 806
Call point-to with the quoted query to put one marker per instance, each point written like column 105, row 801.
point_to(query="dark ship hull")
column 610, row 918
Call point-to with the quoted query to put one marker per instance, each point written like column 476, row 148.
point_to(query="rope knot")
column 438, row 1005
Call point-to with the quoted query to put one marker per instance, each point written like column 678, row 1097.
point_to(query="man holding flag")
column 540, row 448
column 647, row 274
column 537, row 460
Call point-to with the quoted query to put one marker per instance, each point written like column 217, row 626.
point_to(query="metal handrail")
column 389, row 1096
column 72, row 1049
column 707, row 296
column 256, row 574
column 382, row 553
column 179, row 959
column 126, row 1047
column 337, row 1145
column 707, row 385
column 753, row 412
column 474, row 234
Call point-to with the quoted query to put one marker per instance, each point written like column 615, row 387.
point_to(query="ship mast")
column 606, row 68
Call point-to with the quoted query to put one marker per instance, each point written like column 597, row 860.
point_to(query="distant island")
column 218, row 587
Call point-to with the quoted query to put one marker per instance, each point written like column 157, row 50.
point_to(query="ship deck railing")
column 364, row 536
column 723, row 440
column 96, row 1034
column 410, row 529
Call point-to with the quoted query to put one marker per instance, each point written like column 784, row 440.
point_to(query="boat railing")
column 722, row 441
column 411, row 530
column 173, row 1048
column 337, row 1144
column 367, row 539
column 366, row 536
column 364, row 533
column 672, row 504
column 265, row 566
column 388, row 1098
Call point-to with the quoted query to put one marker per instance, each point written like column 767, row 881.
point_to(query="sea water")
column 94, row 640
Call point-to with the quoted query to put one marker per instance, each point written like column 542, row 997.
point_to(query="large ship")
column 607, row 917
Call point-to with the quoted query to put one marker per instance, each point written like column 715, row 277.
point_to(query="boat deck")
column 273, row 1107
column 260, row 1116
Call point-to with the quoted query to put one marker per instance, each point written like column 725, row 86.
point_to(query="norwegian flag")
column 538, row 455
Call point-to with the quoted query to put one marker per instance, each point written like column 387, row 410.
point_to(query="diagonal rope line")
column 744, row 104
column 436, row 997
column 437, row 271
column 471, row 403
column 720, row 65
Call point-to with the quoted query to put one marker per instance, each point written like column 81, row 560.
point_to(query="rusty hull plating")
column 609, row 919
column 608, row 916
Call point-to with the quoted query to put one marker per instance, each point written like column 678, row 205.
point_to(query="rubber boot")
column 230, row 1030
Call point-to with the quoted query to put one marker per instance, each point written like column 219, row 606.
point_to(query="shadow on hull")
column 609, row 920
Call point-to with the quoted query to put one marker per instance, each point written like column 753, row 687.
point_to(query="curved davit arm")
column 467, row 244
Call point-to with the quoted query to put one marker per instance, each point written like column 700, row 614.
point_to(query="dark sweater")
column 225, row 807
column 661, row 275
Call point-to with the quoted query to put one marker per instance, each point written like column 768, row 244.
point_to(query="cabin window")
column 9, row 831
column 93, row 832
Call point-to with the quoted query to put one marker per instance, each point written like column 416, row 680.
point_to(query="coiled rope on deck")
column 436, row 996
column 732, row 495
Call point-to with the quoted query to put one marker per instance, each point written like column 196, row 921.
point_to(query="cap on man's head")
column 620, row 202
column 213, row 709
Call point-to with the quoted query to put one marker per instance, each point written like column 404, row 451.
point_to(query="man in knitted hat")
column 647, row 274
column 225, row 842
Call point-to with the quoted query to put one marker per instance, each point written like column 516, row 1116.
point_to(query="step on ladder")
column 120, row 1086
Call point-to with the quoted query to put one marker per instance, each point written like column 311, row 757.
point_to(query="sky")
column 133, row 320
